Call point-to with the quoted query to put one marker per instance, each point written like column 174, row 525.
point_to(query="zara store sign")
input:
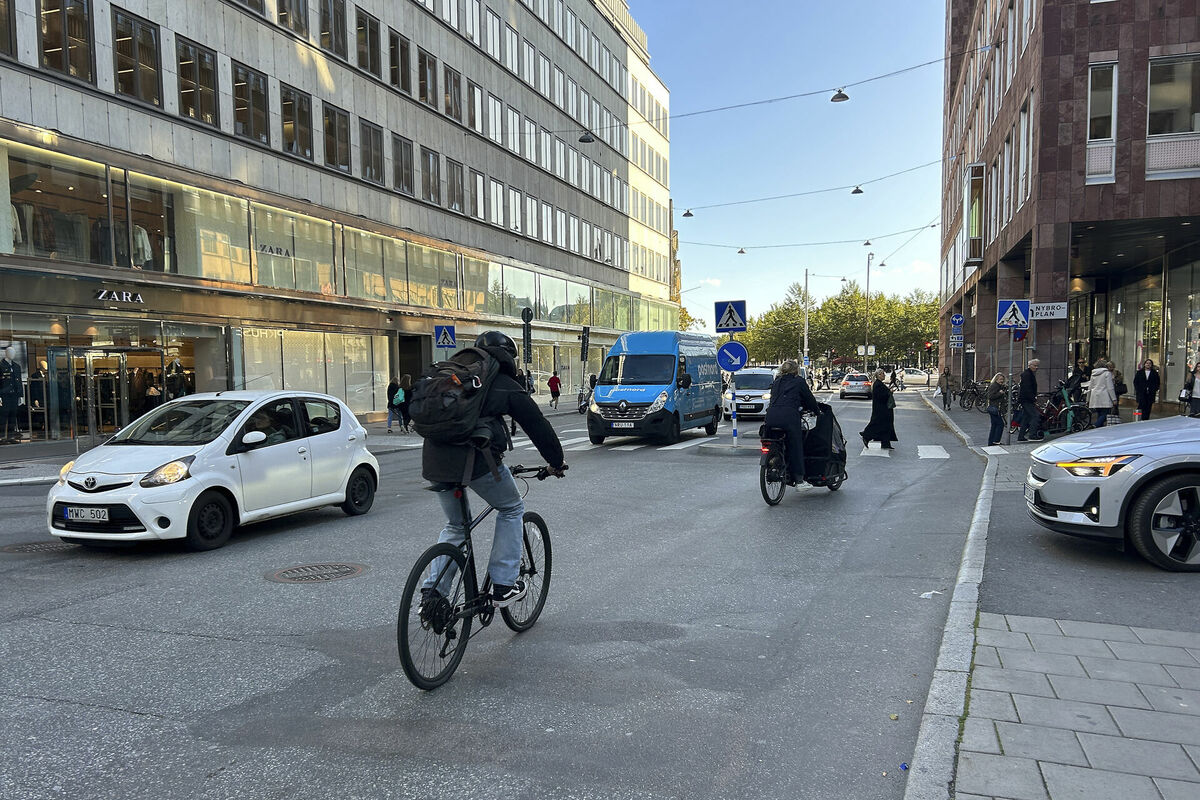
column 107, row 295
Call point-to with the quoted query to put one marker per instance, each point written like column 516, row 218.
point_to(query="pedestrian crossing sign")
column 443, row 336
column 1012, row 315
column 731, row 316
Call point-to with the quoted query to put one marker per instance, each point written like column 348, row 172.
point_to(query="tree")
column 686, row 321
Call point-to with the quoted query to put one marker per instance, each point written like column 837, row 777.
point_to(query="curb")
column 935, row 757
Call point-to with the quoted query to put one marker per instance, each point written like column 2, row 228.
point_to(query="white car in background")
column 915, row 377
column 748, row 391
column 200, row 466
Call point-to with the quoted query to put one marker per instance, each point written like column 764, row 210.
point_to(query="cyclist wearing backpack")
column 448, row 462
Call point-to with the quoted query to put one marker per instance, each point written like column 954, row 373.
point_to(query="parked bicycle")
column 972, row 394
column 432, row 635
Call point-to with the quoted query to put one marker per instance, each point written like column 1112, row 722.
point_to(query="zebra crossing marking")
column 563, row 442
column 994, row 450
column 688, row 443
column 876, row 451
column 931, row 451
column 628, row 447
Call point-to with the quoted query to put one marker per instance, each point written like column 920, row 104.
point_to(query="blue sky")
column 714, row 53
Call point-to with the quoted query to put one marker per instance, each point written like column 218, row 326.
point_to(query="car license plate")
column 86, row 514
column 745, row 407
column 1029, row 494
column 622, row 424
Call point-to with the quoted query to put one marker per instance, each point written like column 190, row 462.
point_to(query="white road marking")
column 563, row 442
column 994, row 450
column 876, row 451
column 931, row 451
column 574, row 430
column 689, row 443
column 630, row 447
column 580, row 447
column 520, row 441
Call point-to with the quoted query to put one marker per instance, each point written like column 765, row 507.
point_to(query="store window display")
column 12, row 397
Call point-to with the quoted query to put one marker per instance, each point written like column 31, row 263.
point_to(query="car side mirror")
column 685, row 381
column 253, row 438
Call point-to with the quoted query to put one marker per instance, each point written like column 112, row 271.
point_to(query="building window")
column 431, row 175
column 452, row 98
column 296, row 113
column 529, row 136
column 529, row 59
column 293, row 14
column 250, row 104
column 67, row 37
column 450, row 13
column 478, row 199
column 1102, row 101
column 514, row 209
column 531, row 216
column 400, row 62
column 510, row 49
column 472, row 20
column 367, row 35
column 197, row 81
column 543, row 75
column 333, row 26
column 495, row 111
column 427, row 78
column 402, row 165
column 475, row 107
column 253, row 5
column 559, row 88
column 135, row 47
column 493, row 34
column 370, row 146
column 455, row 197
column 497, row 203
column 512, row 123
column 1174, row 102
column 337, row 138
column 7, row 40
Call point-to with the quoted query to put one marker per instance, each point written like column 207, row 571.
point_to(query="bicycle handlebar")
column 541, row 473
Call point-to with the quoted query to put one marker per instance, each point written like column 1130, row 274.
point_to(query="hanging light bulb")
column 587, row 138
column 741, row 251
column 857, row 190
column 867, row 243
column 839, row 96
column 688, row 213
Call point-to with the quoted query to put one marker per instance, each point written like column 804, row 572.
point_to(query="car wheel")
column 360, row 492
column 210, row 523
column 842, row 396
column 596, row 438
column 1164, row 523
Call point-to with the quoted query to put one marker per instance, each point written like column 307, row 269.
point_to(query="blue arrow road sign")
column 1012, row 315
column 732, row 356
column 731, row 316
column 443, row 336
column 957, row 320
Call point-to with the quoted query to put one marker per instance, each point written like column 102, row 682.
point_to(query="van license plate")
column 81, row 514
column 622, row 424
column 1029, row 494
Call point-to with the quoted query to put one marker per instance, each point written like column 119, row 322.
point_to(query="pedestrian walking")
column 555, row 388
column 997, row 405
column 1188, row 393
column 1031, row 417
column 825, row 378
column 1119, row 389
column 894, row 380
column 882, row 425
column 946, row 385
column 1145, row 387
column 1102, row 394
column 1075, row 382
column 406, row 388
column 393, row 405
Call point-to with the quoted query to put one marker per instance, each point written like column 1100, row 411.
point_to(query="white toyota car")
column 198, row 467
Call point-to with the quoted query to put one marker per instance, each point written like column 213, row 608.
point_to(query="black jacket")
column 443, row 463
column 1144, row 387
column 882, row 426
column 1028, row 393
column 391, row 392
column 789, row 393
column 997, row 395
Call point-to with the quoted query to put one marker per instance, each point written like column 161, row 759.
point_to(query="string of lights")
column 743, row 249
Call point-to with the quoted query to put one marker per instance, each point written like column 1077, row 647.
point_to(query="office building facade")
column 294, row 193
column 1072, row 178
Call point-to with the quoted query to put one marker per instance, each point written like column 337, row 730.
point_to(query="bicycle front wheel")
column 536, row 562
column 432, row 632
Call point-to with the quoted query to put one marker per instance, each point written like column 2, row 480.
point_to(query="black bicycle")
column 433, row 628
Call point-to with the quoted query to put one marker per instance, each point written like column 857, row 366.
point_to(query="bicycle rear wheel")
column 771, row 482
column 536, row 562
column 432, row 638
column 966, row 399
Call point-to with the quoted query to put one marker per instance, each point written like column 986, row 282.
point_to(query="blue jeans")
column 394, row 413
column 505, row 562
column 997, row 430
column 1101, row 416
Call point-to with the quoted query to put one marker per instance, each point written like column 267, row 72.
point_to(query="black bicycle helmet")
column 497, row 339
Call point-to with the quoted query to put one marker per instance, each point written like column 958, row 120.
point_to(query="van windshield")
column 641, row 370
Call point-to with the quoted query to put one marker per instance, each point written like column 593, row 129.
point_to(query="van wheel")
column 711, row 428
column 673, row 430
column 596, row 438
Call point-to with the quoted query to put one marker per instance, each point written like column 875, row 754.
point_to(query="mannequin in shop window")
column 176, row 379
column 153, row 393
column 12, row 393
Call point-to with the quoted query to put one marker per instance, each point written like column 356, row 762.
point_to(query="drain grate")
column 37, row 547
column 316, row 573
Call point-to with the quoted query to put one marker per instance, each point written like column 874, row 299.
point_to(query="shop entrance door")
column 112, row 386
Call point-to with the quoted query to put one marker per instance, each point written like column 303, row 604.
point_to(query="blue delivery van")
column 656, row 384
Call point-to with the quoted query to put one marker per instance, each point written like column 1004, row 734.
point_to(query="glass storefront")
column 351, row 366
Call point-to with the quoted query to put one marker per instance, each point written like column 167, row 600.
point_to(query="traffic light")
column 928, row 347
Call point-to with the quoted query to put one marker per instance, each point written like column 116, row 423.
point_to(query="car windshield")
column 753, row 381
column 632, row 369
column 182, row 423
column 859, row 378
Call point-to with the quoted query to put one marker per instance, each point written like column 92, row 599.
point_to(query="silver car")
column 1136, row 483
column 855, row 384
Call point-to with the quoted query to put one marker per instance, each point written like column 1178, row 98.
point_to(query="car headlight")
column 62, row 473
column 766, row 397
column 594, row 407
column 1100, row 467
column 172, row 472
column 658, row 403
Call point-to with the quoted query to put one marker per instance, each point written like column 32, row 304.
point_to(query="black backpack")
column 447, row 400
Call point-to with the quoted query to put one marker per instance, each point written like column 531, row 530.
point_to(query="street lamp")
column 867, row 337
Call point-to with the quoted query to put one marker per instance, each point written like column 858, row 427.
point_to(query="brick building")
column 1072, row 175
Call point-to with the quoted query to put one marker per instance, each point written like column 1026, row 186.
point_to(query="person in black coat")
column 1031, row 417
column 444, row 465
column 1145, row 387
column 790, row 393
column 882, row 427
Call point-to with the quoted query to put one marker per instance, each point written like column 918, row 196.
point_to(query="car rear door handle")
column 352, row 437
column 302, row 450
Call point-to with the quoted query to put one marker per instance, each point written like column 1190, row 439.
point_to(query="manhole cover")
column 37, row 547
column 316, row 573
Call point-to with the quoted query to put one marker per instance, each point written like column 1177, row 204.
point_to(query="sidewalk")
column 1062, row 709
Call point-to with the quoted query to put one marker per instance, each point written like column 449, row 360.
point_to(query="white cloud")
column 921, row 267
column 711, row 281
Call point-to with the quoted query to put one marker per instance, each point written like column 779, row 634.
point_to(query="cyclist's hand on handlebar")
column 558, row 473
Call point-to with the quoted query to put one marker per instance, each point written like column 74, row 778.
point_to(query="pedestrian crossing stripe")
column 731, row 318
column 931, row 451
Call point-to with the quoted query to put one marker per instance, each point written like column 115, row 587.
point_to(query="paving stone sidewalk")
column 1063, row 710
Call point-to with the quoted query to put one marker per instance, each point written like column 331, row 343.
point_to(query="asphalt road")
column 696, row 642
